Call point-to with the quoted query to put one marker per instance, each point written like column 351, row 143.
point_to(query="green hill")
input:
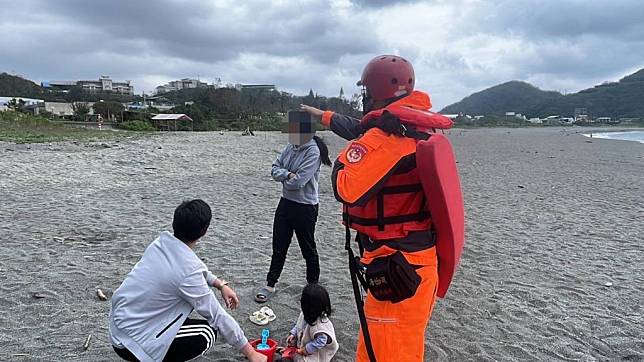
column 14, row 86
column 617, row 99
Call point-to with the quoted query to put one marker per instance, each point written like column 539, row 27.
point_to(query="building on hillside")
column 103, row 84
column 243, row 87
column 535, row 120
column 161, row 103
column 172, row 122
column 185, row 83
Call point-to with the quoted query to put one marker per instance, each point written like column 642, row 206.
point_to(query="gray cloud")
column 457, row 47
column 204, row 32
column 381, row 3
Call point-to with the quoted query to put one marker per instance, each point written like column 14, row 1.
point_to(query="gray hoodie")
column 304, row 161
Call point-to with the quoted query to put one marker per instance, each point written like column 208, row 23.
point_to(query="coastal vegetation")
column 22, row 127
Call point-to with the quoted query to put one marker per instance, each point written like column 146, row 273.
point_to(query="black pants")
column 195, row 337
column 290, row 217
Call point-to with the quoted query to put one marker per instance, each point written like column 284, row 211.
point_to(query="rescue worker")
column 376, row 179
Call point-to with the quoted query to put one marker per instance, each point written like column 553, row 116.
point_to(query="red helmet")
column 388, row 76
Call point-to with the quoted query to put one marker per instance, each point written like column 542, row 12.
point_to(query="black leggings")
column 290, row 217
column 195, row 337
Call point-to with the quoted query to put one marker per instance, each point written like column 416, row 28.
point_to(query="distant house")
column 172, row 122
column 185, row 83
column 103, row 84
column 603, row 119
column 551, row 120
column 159, row 102
column 243, row 87
column 581, row 118
column 58, row 108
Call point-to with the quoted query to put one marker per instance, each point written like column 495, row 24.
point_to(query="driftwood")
column 86, row 344
column 101, row 295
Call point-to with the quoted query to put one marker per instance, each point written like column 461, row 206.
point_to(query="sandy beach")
column 553, row 267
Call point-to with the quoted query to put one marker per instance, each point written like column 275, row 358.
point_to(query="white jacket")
column 157, row 296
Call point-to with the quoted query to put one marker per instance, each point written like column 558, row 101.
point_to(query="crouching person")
column 149, row 316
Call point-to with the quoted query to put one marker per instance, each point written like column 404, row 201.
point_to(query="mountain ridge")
column 623, row 98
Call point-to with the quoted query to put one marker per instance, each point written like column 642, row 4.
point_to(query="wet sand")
column 553, row 267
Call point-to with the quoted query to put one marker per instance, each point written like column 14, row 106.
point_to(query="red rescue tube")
column 441, row 184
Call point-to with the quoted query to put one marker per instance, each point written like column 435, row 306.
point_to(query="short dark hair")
column 315, row 303
column 191, row 220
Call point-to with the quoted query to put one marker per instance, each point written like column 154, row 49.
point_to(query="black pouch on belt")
column 392, row 278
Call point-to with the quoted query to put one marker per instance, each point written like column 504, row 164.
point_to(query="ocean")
column 637, row 136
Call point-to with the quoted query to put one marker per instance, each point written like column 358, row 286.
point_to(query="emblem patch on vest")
column 355, row 152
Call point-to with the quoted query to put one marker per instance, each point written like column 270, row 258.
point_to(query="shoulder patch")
column 356, row 152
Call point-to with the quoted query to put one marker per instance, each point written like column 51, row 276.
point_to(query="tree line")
column 260, row 109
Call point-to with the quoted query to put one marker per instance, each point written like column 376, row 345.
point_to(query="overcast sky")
column 457, row 47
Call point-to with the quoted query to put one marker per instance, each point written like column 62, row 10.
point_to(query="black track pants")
column 195, row 337
column 291, row 217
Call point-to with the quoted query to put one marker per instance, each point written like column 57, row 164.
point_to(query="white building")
column 57, row 108
column 243, row 87
column 103, row 84
column 185, row 83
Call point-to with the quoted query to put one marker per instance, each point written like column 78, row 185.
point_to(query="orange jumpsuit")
column 376, row 179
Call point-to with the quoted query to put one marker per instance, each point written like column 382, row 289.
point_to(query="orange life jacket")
column 376, row 177
column 379, row 186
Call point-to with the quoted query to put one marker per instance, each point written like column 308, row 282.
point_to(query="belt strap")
column 355, row 274
column 420, row 216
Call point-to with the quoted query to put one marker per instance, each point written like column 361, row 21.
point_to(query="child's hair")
column 315, row 303
column 191, row 220
column 324, row 150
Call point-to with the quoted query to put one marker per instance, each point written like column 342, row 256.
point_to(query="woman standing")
column 298, row 169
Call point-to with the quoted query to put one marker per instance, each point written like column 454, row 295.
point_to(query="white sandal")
column 269, row 313
column 259, row 318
